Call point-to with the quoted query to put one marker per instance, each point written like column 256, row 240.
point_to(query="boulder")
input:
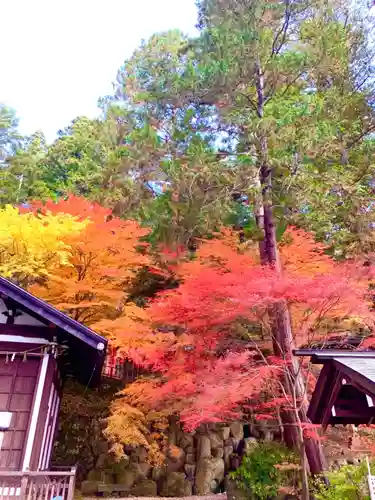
column 268, row 436
column 158, row 472
column 144, row 469
column 202, row 429
column 103, row 446
column 102, row 461
column 236, row 430
column 129, row 476
column 95, row 475
column 173, row 432
column 224, row 433
column 186, row 441
column 264, row 429
column 228, row 450
column 145, row 488
column 218, row 453
column 175, row 485
column 101, row 476
column 210, row 473
column 119, row 467
column 255, row 430
column 286, row 496
column 236, row 444
column 175, row 459
column 89, row 487
column 188, row 488
column 250, row 444
column 215, row 440
column 235, row 461
column 203, row 447
column 234, row 492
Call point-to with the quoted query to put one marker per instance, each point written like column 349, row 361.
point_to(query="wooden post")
column 24, row 484
column 72, row 481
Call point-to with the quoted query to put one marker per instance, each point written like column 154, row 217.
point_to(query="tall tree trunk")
column 283, row 342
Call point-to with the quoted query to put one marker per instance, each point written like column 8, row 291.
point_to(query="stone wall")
column 196, row 463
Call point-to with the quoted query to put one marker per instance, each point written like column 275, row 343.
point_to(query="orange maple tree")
column 95, row 287
column 103, row 261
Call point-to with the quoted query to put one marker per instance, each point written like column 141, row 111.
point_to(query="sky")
column 59, row 57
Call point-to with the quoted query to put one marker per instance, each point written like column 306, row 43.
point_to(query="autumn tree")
column 95, row 281
column 278, row 81
column 97, row 285
column 33, row 247
column 213, row 365
column 217, row 300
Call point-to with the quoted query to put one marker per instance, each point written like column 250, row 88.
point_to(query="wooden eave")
column 86, row 348
column 344, row 375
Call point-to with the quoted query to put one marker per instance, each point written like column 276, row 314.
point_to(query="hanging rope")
column 51, row 347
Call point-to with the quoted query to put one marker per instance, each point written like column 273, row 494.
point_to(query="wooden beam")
column 26, row 331
column 321, row 393
column 358, row 380
column 355, row 414
column 335, row 389
column 320, row 356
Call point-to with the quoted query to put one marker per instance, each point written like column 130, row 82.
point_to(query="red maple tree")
column 210, row 364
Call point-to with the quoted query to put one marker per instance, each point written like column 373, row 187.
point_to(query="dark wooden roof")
column 345, row 390
column 87, row 348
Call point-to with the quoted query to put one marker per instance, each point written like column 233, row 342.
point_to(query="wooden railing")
column 118, row 368
column 46, row 485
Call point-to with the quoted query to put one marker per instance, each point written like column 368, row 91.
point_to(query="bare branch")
column 278, row 44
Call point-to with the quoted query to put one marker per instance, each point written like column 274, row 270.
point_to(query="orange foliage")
column 103, row 260
column 302, row 255
column 95, row 287
column 72, row 205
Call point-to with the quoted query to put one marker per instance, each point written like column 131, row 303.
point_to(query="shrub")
column 349, row 482
column 265, row 470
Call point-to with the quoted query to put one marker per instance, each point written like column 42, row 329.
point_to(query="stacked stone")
column 196, row 463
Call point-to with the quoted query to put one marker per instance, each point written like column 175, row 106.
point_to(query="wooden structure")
column 39, row 347
column 42, row 485
column 345, row 390
column 119, row 368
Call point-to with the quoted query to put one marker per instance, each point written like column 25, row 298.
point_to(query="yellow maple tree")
column 32, row 247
